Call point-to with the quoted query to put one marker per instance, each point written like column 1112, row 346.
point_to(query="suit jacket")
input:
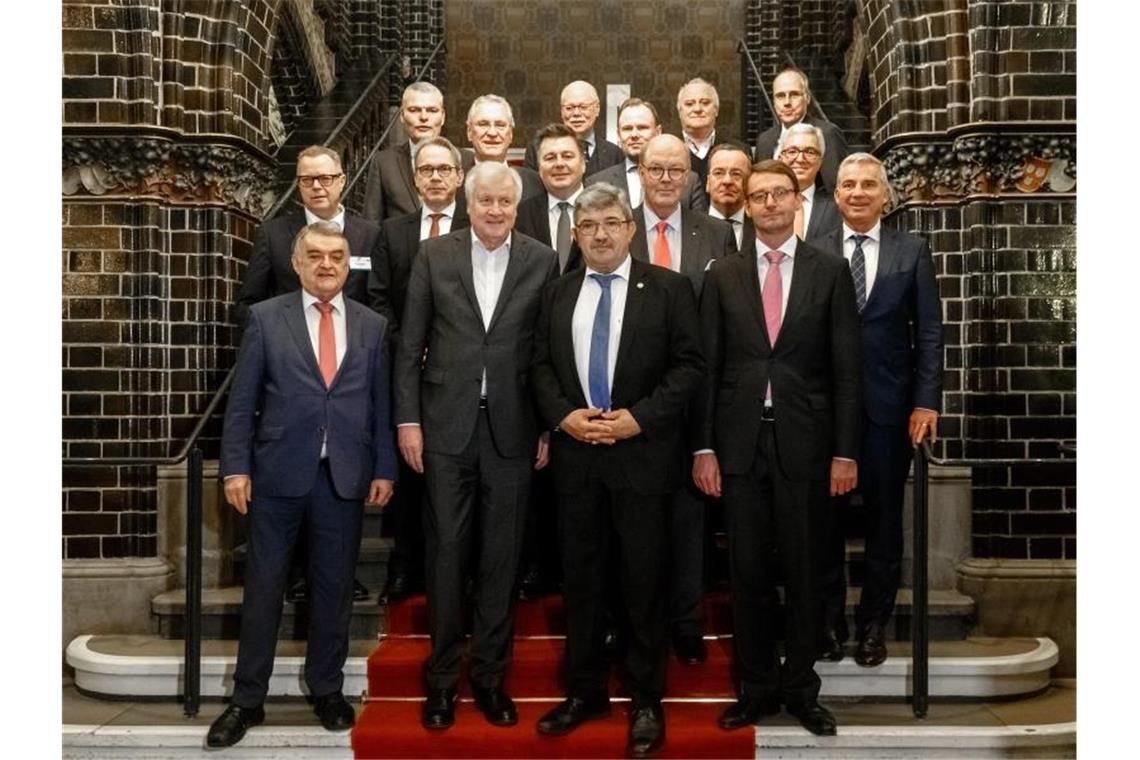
column 442, row 315
column 703, row 239
column 531, row 182
column 534, row 221
column 279, row 408
column 697, row 199
column 834, row 143
column 901, row 328
column 824, row 219
column 813, row 367
column 392, row 264
column 270, row 270
column 391, row 187
column 605, row 154
column 659, row 366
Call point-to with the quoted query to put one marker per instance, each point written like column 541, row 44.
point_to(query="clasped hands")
column 596, row 426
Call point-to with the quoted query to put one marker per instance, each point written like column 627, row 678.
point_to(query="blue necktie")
column 600, row 346
column 859, row 272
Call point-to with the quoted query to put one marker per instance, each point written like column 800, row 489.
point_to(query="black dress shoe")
column 814, row 717
column 359, row 591
column 646, row 730
column 399, row 585
column 690, row 648
column 872, row 649
column 746, row 711
column 335, row 713
column 832, row 646
column 571, row 713
column 532, row 585
column 496, row 706
column 229, row 727
column 298, row 592
column 439, row 709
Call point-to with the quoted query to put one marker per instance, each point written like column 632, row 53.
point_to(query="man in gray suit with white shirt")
column 391, row 186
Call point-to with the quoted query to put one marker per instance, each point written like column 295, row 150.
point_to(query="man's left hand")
column 844, row 476
column 380, row 492
column 542, row 458
column 621, row 423
column 923, row 422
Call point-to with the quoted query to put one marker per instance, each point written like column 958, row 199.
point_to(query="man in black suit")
column 490, row 130
column 438, row 177
column 729, row 167
column 687, row 242
column 617, row 358
column 467, row 421
column 901, row 326
column 778, row 428
column 802, row 147
column 580, row 108
column 791, row 96
column 637, row 125
column 546, row 216
column 391, row 190
column 698, row 105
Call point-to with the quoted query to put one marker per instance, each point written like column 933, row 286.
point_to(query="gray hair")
column 320, row 228
column 867, row 158
column 602, row 195
column 441, row 142
column 695, row 81
column 803, row 128
column 487, row 99
column 491, row 171
column 424, row 88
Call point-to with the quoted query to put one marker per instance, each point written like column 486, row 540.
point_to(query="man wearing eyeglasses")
column 777, row 433
column 802, row 147
column 438, row 180
column 580, row 107
column 791, row 97
column 391, row 190
column 617, row 358
column 490, row 130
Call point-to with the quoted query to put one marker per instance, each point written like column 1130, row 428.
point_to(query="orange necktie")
column 661, row 255
column 434, row 231
column 326, row 343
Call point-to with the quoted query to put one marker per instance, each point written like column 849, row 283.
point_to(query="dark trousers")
column 764, row 509
column 406, row 516
column 474, row 495
column 333, row 526
column 687, row 560
column 540, row 548
column 604, row 508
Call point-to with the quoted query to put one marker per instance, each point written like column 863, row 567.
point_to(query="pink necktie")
column 661, row 255
column 326, row 343
column 773, row 295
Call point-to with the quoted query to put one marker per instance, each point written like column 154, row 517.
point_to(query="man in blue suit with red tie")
column 307, row 439
column 900, row 317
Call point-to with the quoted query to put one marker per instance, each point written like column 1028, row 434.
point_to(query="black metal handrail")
column 920, row 624
column 742, row 48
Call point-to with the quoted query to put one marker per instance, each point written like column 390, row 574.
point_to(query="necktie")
column 600, row 346
column 434, row 231
column 799, row 229
column 859, row 272
column 326, row 343
column 661, row 256
column 562, row 244
column 773, row 295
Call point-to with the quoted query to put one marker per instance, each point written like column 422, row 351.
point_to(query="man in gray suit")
column 391, row 188
column 803, row 148
column 490, row 130
column 791, row 96
column 637, row 125
column 466, row 419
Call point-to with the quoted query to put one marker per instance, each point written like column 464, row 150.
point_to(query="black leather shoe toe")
column 439, row 709
column 690, row 649
column 571, row 713
column 814, row 717
column 832, row 646
column 496, row 706
column 298, row 592
column 359, row 591
column 399, row 586
column 646, row 730
column 335, row 713
column 746, row 711
column 872, row 649
column 229, row 727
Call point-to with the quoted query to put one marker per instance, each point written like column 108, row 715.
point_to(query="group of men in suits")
column 563, row 326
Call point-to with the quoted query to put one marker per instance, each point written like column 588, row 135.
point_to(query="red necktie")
column 434, row 231
column 661, row 255
column 326, row 343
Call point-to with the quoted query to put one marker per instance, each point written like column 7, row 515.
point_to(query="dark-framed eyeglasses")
column 326, row 180
column 612, row 226
column 778, row 194
column 444, row 170
column 792, row 153
column 673, row 172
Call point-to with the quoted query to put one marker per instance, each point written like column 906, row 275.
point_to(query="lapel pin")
column 640, row 285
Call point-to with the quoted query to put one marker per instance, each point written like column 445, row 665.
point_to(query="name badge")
column 360, row 262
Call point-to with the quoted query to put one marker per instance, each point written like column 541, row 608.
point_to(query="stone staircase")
column 830, row 96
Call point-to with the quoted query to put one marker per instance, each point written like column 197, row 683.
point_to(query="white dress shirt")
column 701, row 148
column 340, row 334
column 444, row 221
column 672, row 234
column 553, row 213
column 633, row 179
column 736, row 221
column 582, row 323
column 488, row 268
column 870, row 251
column 338, row 219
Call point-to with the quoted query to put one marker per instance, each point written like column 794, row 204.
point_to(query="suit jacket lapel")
column 467, row 274
column 638, row 247
column 515, row 262
column 750, row 281
column 404, row 163
column 888, row 260
column 803, row 270
column 294, row 315
column 562, row 333
column 634, row 299
column 691, row 264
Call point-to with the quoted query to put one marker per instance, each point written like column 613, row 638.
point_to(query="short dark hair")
column 554, row 132
column 774, row 166
column 730, row 145
column 631, row 102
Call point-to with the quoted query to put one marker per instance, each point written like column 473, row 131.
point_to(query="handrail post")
column 919, row 628
column 192, row 683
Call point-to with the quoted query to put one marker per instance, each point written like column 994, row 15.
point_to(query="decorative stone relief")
column 177, row 172
column 991, row 163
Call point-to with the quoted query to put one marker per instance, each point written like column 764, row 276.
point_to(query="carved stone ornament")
column 177, row 172
column 990, row 164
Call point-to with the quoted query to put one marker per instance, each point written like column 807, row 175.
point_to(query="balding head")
column 580, row 107
column 664, row 172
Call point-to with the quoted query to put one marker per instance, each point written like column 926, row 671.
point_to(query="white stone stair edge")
column 151, row 675
column 260, row 743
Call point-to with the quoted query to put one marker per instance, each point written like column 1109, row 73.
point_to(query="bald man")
column 580, row 109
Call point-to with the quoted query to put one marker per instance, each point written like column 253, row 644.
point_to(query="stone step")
column 371, row 566
column 151, row 666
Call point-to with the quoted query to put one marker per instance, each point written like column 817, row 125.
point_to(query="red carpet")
column 389, row 726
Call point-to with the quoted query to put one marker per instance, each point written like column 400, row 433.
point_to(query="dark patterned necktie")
column 859, row 272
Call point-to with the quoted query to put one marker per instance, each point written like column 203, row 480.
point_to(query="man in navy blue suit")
column 900, row 318
column 307, row 439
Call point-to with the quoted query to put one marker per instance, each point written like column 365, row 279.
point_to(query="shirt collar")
column 448, row 211
column 338, row 220
column 308, row 299
column 708, row 141
column 788, row 248
column 874, row 233
column 622, row 271
column 478, row 247
column 630, row 165
column 809, row 193
column 651, row 218
column 552, row 202
column 737, row 217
